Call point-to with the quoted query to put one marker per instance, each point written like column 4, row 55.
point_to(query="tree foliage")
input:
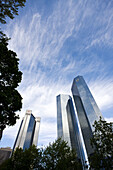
column 54, row 157
column 10, row 77
column 23, row 159
column 103, row 142
column 58, row 155
column 9, row 8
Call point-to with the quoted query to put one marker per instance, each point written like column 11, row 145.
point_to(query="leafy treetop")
column 10, row 77
column 9, row 8
column 56, row 156
column 102, row 141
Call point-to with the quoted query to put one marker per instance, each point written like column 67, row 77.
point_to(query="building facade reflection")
column 28, row 131
column 87, row 110
column 67, row 126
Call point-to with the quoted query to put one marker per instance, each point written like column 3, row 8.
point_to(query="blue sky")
column 57, row 40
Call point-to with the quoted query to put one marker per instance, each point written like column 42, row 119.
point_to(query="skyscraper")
column 87, row 110
column 28, row 131
column 67, row 125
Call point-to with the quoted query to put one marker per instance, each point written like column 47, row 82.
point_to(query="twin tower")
column 74, row 121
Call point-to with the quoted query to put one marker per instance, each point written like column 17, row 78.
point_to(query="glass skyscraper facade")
column 28, row 131
column 87, row 110
column 67, row 125
column 75, row 122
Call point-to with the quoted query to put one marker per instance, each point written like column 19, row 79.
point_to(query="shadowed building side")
column 73, row 128
column 84, row 124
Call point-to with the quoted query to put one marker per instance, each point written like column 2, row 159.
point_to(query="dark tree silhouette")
column 9, row 8
column 103, row 142
column 10, row 77
column 27, row 159
column 56, row 156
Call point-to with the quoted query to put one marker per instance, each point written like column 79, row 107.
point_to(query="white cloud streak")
column 110, row 119
column 102, row 90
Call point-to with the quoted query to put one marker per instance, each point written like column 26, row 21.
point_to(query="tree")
column 23, row 159
column 10, row 77
column 102, row 141
column 56, row 156
column 9, row 8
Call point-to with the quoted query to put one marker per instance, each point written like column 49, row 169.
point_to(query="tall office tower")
column 67, row 125
column 28, row 131
column 87, row 110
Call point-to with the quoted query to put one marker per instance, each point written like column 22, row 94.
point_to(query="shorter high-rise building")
column 67, row 126
column 28, row 131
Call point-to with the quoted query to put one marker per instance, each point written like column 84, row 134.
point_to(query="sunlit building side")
column 67, row 126
column 28, row 131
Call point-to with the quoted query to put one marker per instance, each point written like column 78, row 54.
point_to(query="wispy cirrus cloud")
column 38, row 42
column 109, row 119
column 102, row 90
